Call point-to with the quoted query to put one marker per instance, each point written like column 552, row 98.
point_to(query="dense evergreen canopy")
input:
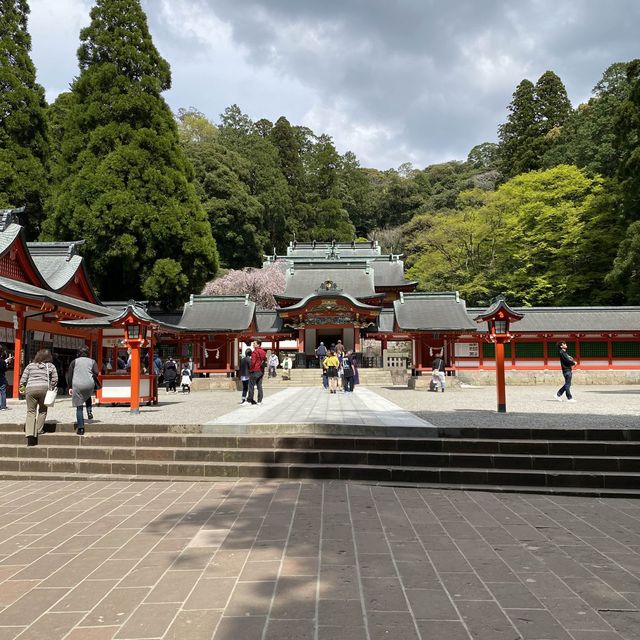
column 123, row 181
column 24, row 145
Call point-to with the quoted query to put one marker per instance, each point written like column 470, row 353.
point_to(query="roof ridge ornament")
column 9, row 217
column 328, row 286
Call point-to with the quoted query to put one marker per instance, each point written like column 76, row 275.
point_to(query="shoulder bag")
column 50, row 397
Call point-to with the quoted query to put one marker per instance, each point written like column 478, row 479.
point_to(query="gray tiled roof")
column 356, row 281
column 116, row 314
column 432, row 311
column 343, row 250
column 57, row 270
column 385, row 321
column 36, row 293
column 268, row 321
column 8, row 236
column 217, row 313
column 574, row 319
column 389, row 273
column 353, row 301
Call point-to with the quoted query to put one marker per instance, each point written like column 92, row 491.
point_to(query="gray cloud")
column 410, row 80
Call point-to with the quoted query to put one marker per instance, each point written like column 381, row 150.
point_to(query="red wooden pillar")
column 500, row 382
column 419, row 347
column 356, row 339
column 301, row 340
column 135, row 377
column 610, row 351
column 17, row 356
column 545, row 353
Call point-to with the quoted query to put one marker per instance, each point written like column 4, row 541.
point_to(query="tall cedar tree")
column 518, row 134
column 536, row 116
column 553, row 109
column 24, row 145
column 125, row 184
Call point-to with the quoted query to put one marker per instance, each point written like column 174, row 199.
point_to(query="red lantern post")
column 135, row 339
column 498, row 318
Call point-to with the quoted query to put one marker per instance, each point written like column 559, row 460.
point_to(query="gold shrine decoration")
column 332, row 306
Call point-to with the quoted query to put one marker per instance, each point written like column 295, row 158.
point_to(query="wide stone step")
column 599, row 482
column 346, row 431
column 322, row 457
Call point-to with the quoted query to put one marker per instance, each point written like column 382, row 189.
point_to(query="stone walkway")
column 313, row 561
column 308, row 405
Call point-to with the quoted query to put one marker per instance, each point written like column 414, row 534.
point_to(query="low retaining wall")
column 214, row 382
column 527, row 378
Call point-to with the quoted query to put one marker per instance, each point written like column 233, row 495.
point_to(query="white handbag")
column 50, row 397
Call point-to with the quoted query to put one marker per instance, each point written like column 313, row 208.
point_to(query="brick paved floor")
column 278, row 561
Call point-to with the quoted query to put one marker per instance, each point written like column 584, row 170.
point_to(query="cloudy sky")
column 394, row 81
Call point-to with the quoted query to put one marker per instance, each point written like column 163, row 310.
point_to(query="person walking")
column 347, row 372
column 566, row 364
column 82, row 378
column 321, row 352
column 437, row 371
column 339, row 348
column 245, row 366
column 273, row 365
column 170, row 374
column 256, row 372
column 286, row 368
column 331, row 364
column 36, row 380
column 5, row 361
column 185, row 379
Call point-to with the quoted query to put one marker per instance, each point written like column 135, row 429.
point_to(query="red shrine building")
column 350, row 292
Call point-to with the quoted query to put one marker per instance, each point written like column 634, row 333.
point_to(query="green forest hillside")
column 549, row 214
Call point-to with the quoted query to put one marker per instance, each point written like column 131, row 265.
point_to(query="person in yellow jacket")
column 331, row 364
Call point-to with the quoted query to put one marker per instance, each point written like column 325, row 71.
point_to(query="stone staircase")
column 579, row 461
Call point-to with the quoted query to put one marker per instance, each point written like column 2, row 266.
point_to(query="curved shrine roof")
column 432, row 312
column 566, row 320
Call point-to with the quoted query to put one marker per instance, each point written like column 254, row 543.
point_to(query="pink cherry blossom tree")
column 260, row 284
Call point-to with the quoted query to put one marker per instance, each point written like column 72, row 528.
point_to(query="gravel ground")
column 596, row 406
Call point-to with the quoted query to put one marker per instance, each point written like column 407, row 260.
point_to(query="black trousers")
column 255, row 380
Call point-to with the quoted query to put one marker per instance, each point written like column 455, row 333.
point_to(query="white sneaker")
column 571, row 400
column 557, row 397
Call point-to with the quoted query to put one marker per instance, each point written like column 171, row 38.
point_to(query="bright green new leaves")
column 530, row 240
column 123, row 182
column 24, row 144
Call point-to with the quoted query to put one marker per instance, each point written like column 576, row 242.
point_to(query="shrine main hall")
column 352, row 292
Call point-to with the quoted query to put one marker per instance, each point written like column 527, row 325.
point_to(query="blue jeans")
column 566, row 387
column 3, row 396
column 80, row 416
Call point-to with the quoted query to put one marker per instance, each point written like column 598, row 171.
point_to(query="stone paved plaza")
column 325, row 560
column 238, row 560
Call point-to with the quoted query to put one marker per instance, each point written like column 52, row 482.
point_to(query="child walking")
column 185, row 379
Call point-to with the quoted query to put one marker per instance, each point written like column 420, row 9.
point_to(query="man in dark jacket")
column 566, row 364
column 256, row 371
